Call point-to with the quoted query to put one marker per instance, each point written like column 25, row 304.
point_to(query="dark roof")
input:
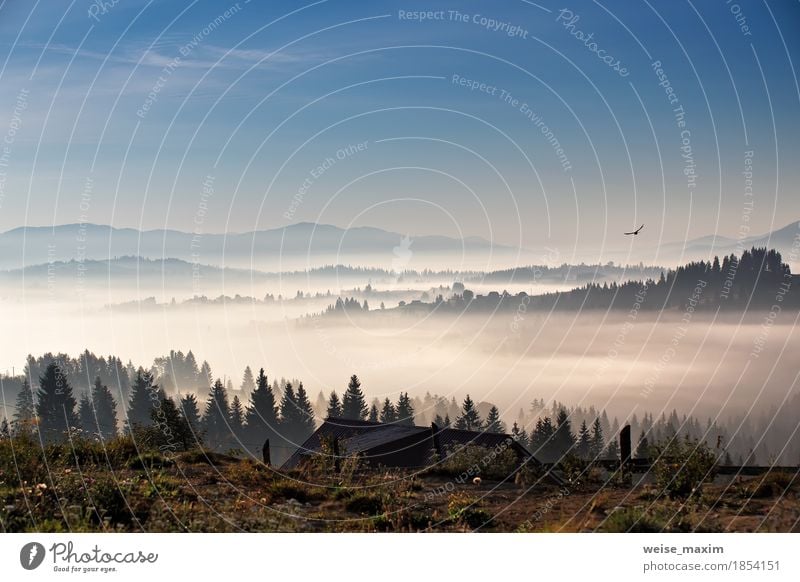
column 453, row 437
column 360, row 436
column 355, row 436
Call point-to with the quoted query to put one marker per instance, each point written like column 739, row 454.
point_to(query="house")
column 394, row 445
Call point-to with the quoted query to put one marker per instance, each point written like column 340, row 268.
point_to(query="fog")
column 708, row 365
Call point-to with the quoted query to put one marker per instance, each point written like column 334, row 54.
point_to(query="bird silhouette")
column 635, row 232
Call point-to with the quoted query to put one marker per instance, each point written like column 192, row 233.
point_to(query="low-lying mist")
column 710, row 365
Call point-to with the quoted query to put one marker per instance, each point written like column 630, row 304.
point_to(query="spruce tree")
column 642, row 447
column 261, row 415
column 105, row 410
column 191, row 412
column 174, row 432
column 354, row 405
column 334, row 406
column 306, row 423
column 248, row 382
column 144, row 395
column 438, row 421
column 388, row 412
column 237, row 418
column 563, row 439
column 86, row 415
column 519, row 434
column 493, row 422
column 215, row 418
column 290, row 417
column 55, row 404
column 5, row 430
column 373, row 413
column 598, row 442
column 469, row 419
column 542, row 440
column 447, row 422
column 405, row 411
column 204, row 378
column 25, row 410
column 584, row 444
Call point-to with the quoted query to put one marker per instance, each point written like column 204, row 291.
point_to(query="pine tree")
column 598, row 442
column 25, row 410
column 289, row 413
column 334, row 406
column 388, row 412
column 204, row 378
column 563, row 439
column 612, row 451
column 542, row 440
column 642, row 448
column 405, row 410
column 519, row 435
column 174, row 432
column 373, row 413
column 190, row 411
column 261, row 415
column 248, row 382
column 86, row 415
column 469, row 419
column 215, row 419
column 55, row 404
column 237, row 418
column 493, row 422
column 354, row 405
column 447, row 420
column 144, row 395
column 584, row 445
column 306, row 422
column 438, row 421
column 105, row 410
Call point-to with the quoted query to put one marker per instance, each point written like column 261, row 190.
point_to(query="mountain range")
column 295, row 246
column 308, row 245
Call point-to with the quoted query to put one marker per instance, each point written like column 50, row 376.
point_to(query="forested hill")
column 756, row 280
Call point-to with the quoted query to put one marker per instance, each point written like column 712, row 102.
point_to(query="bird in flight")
column 635, row 232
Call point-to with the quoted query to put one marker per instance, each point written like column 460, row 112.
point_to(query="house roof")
column 360, row 436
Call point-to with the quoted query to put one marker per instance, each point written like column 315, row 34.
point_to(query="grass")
column 89, row 486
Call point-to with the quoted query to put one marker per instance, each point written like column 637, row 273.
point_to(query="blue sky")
column 121, row 114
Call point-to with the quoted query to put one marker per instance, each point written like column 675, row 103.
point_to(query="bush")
column 773, row 484
column 365, row 505
column 463, row 509
column 294, row 490
column 682, row 466
column 674, row 517
column 471, row 461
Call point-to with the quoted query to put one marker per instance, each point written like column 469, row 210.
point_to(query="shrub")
column 471, row 461
column 463, row 509
column 773, row 484
column 365, row 504
column 294, row 490
column 682, row 466
column 634, row 520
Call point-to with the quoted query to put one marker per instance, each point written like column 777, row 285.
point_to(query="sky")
column 542, row 125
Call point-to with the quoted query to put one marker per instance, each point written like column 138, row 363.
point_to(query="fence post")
column 265, row 452
column 625, row 445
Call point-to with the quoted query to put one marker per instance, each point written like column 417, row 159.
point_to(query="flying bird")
column 635, row 232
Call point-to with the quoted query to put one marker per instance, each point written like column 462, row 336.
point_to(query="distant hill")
column 302, row 243
column 781, row 240
column 758, row 279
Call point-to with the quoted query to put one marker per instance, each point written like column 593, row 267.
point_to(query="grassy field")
column 88, row 486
